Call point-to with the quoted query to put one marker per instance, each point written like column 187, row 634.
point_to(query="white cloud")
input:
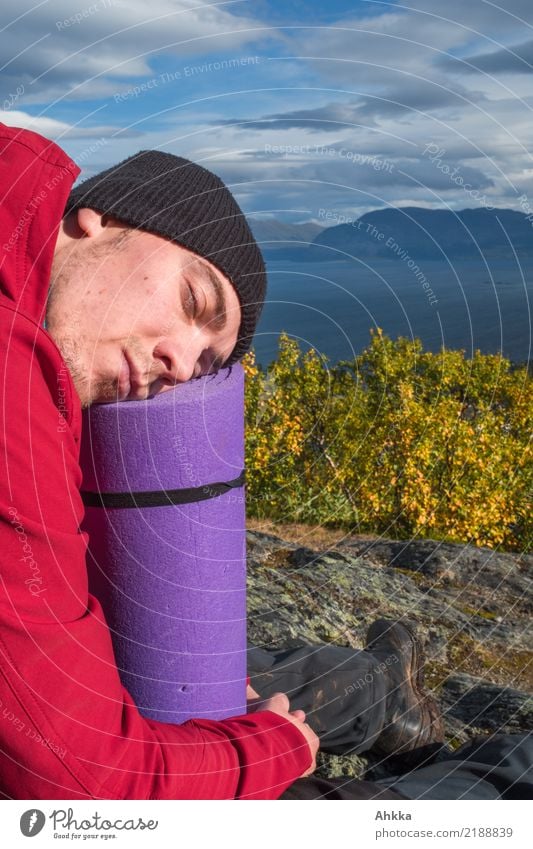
column 57, row 49
column 383, row 86
column 57, row 130
column 397, row 89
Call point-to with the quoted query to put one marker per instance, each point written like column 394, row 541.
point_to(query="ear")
column 89, row 222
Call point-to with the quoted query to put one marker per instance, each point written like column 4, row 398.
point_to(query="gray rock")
column 486, row 707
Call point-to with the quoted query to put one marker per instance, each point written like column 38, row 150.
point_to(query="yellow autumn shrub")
column 399, row 441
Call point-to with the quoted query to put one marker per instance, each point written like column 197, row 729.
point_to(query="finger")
column 253, row 705
column 282, row 700
column 298, row 714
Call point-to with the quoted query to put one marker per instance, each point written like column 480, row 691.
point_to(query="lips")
column 131, row 386
column 124, row 379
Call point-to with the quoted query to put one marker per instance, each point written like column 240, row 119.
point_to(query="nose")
column 178, row 363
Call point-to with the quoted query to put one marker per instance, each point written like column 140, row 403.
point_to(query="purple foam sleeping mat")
column 165, row 513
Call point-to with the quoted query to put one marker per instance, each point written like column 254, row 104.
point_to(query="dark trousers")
column 341, row 690
column 343, row 693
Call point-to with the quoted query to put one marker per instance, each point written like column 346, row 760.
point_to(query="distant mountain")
column 430, row 234
column 408, row 232
column 280, row 240
column 278, row 232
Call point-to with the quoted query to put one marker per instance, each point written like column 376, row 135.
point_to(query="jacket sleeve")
column 72, row 730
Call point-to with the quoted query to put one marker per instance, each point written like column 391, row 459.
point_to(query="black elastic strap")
column 160, row 498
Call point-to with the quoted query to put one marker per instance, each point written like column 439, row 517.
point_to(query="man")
column 129, row 312
column 140, row 278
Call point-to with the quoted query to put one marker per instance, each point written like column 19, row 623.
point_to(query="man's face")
column 133, row 313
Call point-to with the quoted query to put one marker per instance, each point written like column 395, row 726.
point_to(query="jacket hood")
column 36, row 178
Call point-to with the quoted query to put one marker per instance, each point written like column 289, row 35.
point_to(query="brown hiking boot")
column 413, row 727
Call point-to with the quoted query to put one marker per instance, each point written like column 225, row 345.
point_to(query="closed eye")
column 191, row 302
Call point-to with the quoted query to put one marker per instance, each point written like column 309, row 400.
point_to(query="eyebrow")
column 221, row 316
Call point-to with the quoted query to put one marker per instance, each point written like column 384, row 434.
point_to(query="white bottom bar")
column 266, row 825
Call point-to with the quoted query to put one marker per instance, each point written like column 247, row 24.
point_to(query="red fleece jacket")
column 68, row 728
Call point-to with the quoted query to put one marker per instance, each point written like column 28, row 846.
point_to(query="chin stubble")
column 88, row 391
column 72, row 342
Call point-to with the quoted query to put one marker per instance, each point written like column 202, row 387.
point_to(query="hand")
column 279, row 703
column 251, row 697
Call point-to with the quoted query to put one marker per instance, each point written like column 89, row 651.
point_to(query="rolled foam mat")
column 165, row 513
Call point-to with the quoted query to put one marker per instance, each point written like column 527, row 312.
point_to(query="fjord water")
column 331, row 306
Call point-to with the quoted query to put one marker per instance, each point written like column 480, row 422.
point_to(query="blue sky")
column 298, row 106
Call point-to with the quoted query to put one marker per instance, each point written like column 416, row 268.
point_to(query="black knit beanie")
column 178, row 199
